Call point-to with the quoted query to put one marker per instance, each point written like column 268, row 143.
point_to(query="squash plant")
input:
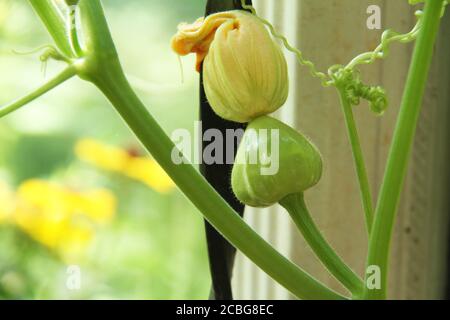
column 89, row 53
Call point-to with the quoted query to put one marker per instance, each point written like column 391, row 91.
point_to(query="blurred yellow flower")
column 62, row 219
column 119, row 160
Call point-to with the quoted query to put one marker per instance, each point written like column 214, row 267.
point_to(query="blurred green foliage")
column 154, row 248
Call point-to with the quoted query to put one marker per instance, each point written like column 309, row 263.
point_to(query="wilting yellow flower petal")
column 115, row 159
column 197, row 37
column 245, row 71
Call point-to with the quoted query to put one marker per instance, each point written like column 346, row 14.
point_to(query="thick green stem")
column 55, row 24
column 358, row 158
column 66, row 74
column 203, row 196
column 102, row 67
column 96, row 31
column 295, row 205
column 379, row 243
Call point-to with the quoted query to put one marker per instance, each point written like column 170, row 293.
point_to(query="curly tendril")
column 52, row 53
column 387, row 38
column 301, row 59
column 347, row 77
column 48, row 52
column 348, row 80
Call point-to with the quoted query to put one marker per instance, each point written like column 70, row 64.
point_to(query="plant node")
column 348, row 80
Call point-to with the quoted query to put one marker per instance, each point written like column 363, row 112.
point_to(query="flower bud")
column 299, row 168
column 245, row 71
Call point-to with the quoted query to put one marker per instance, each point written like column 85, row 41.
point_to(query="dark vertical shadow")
column 221, row 253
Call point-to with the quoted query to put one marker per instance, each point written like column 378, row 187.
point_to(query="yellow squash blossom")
column 245, row 71
column 115, row 159
column 60, row 218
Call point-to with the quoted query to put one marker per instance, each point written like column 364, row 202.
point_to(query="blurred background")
column 75, row 186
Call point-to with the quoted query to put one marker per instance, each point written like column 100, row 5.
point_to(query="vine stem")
column 203, row 196
column 380, row 238
column 54, row 21
column 102, row 67
column 296, row 206
column 65, row 75
column 358, row 158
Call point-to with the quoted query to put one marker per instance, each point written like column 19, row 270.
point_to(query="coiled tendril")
column 48, row 52
column 348, row 80
column 348, row 76
column 301, row 59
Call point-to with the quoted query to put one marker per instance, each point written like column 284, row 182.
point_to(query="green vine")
column 348, row 79
column 351, row 90
column 98, row 63
column 325, row 79
column 337, row 73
